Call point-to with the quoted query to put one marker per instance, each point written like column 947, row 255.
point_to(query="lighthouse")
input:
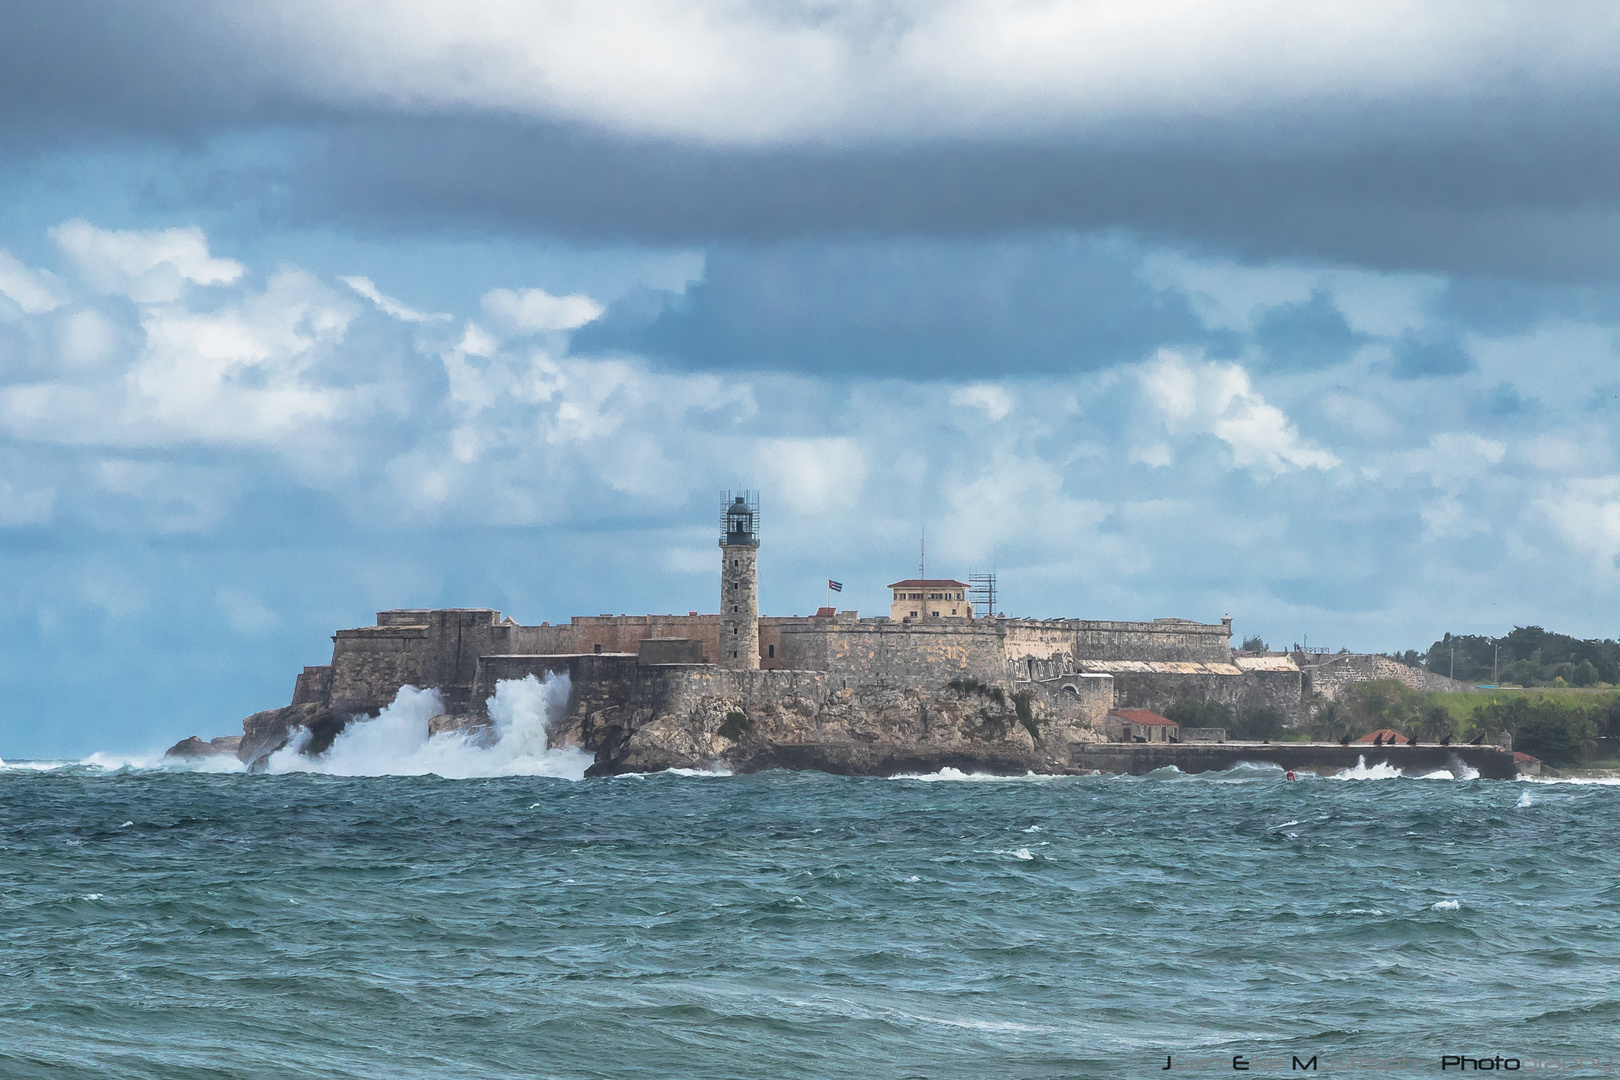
column 739, row 583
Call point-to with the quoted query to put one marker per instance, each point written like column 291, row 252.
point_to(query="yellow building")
column 930, row 598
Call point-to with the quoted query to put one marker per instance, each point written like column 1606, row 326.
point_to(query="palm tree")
column 1436, row 723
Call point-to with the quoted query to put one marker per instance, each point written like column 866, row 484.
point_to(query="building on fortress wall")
column 929, row 598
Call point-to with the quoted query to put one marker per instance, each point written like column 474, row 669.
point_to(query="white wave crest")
column 1385, row 771
column 1524, row 799
column 949, row 773
column 1445, row 905
column 397, row 742
column 1359, row 771
column 1596, row 781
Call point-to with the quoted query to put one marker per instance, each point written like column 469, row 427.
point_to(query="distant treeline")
column 1530, row 656
column 1561, row 730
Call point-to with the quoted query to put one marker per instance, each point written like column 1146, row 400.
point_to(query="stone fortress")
column 933, row 684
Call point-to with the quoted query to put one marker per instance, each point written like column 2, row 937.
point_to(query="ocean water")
column 181, row 923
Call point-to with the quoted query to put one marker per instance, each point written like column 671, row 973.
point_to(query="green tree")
column 1197, row 712
column 1263, row 722
column 1254, row 644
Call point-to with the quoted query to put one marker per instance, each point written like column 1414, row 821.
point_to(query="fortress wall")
column 1282, row 690
column 881, row 652
column 624, row 633
column 1062, row 645
column 596, row 681
column 1038, row 650
column 370, row 664
column 1329, row 675
column 1162, row 639
column 313, row 686
column 1084, row 701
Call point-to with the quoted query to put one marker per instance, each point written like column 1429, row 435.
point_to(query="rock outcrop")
column 748, row 721
column 195, row 747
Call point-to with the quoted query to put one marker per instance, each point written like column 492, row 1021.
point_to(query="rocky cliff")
column 749, row 721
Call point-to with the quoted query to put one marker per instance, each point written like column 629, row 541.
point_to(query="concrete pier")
column 1139, row 759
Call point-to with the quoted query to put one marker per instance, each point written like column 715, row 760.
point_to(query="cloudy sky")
column 1307, row 314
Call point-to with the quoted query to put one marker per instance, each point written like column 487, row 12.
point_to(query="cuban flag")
column 835, row 586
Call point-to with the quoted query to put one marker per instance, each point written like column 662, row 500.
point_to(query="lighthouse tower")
column 739, row 584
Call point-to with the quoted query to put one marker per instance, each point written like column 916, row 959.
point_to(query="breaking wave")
column 397, row 742
column 1385, row 771
column 949, row 773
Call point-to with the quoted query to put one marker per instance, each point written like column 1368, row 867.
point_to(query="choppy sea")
column 175, row 922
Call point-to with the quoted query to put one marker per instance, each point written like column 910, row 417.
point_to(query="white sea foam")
column 397, row 743
column 949, row 773
column 1445, row 905
column 1023, row 854
column 1360, row 771
column 1524, row 799
column 1385, row 771
column 1596, row 781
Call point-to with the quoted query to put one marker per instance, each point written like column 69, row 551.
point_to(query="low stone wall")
column 1329, row 674
column 1139, row 759
column 1281, row 690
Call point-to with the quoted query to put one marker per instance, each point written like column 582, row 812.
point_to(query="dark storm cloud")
column 918, row 308
column 1540, row 207
column 1528, row 185
column 1417, row 357
column 1312, row 333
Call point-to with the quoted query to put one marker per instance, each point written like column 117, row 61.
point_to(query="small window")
column 770, row 651
column 733, row 607
column 598, row 648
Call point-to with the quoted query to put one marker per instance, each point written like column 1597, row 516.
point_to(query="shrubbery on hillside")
column 1530, row 656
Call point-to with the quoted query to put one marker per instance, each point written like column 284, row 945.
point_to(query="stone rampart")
column 1329, row 674
column 1281, row 690
column 435, row 648
column 887, row 653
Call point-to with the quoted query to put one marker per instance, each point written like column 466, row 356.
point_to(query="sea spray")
column 397, row 742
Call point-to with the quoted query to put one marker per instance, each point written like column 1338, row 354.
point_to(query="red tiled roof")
column 826, row 613
column 1142, row 716
column 1390, row 736
column 928, row 583
column 1517, row 757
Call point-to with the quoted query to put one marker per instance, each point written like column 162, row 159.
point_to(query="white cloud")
column 996, row 402
column 388, row 305
column 1157, row 455
column 153, row 266
column 1197, row 397
column 239, row 373
column 246, row 613
column 23, row 508
column 1454, row 458
column 536, row 311
column 724, row 71
column 813, row 476
column 35, row 291
column 1587, row 513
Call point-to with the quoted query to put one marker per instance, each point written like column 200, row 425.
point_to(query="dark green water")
column 178, row 925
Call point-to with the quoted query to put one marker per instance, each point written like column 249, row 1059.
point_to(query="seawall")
column 1139, row 759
